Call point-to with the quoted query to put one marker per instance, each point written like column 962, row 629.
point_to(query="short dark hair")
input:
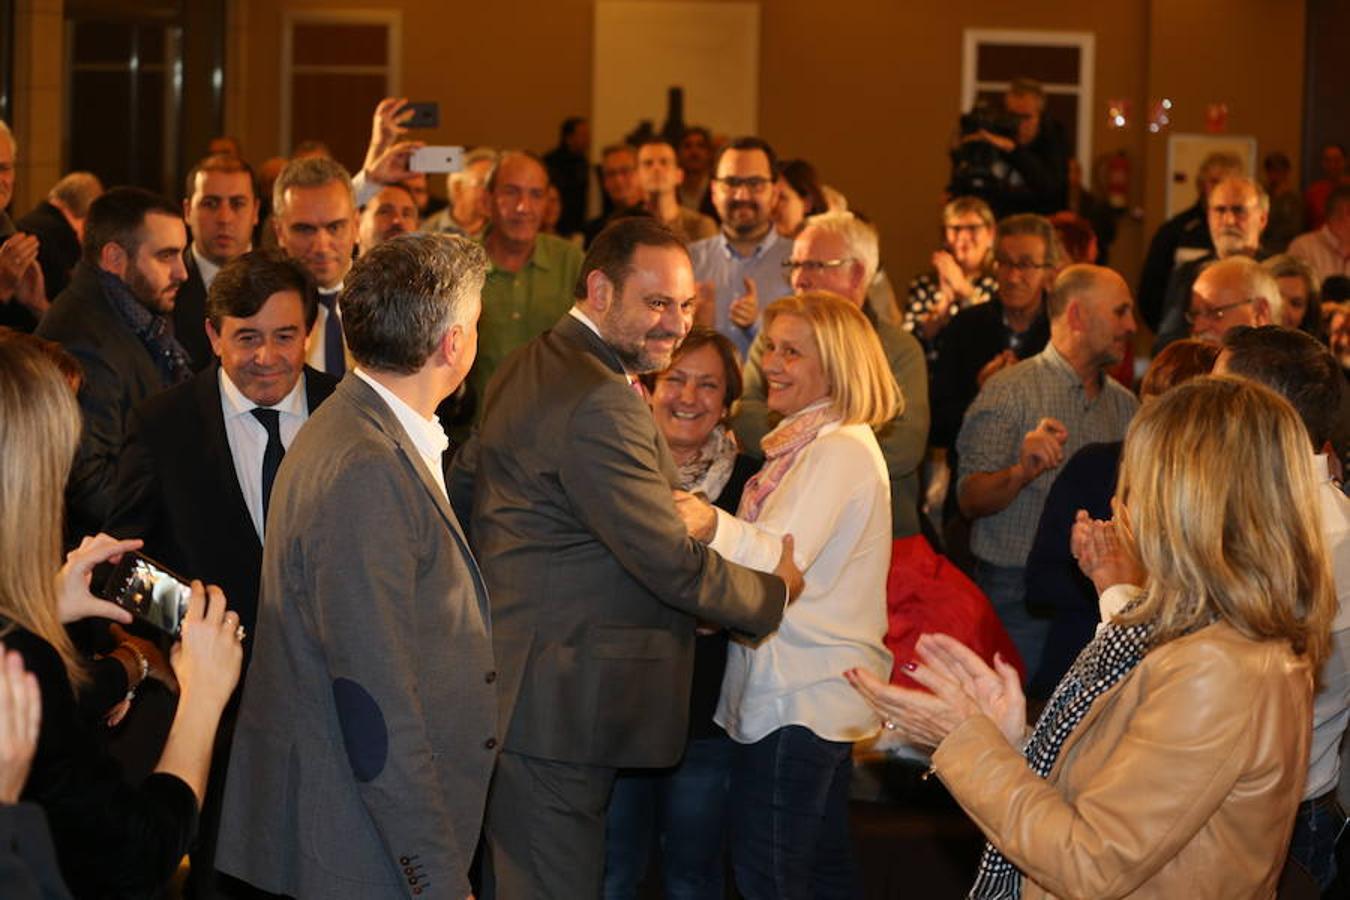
column 116, row 217
column 701, row 336
column 699, row 130
column 569, row 125
column 1294, row 365
column 1179, row 361
column 748, row 142
column 613, row 249
column 243, row 285
column 656, row 141
column 801, row 177
column 220, row 162
column 402, row 297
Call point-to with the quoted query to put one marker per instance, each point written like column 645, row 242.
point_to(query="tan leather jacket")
column 1181, row 781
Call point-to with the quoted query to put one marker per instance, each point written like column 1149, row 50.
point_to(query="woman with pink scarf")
column 784, row 700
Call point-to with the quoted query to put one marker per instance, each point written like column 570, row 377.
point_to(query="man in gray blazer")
column 368, row 728
column 595, row 584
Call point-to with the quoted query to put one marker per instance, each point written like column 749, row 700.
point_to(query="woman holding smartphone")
column 111, row 839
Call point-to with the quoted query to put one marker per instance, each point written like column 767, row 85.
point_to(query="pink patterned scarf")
column 781, row 447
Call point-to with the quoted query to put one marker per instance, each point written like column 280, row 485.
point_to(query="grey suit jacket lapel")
column 574, row 331
column 363, row 396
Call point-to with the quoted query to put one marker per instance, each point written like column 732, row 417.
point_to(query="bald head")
column 517, row 190
column 1231, row 292
column 1091, row 316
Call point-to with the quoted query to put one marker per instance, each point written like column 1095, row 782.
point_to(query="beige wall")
column 867, row 89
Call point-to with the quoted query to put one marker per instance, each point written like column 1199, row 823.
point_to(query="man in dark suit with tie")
column 368, row 728
column 595, row 584
column 314, row 214
column 199, row 461
column 221, row 209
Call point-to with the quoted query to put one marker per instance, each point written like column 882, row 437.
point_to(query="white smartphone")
column 437, row 159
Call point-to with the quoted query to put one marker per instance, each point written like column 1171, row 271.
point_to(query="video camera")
column 973, row 162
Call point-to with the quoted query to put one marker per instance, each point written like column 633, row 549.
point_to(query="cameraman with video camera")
column 1015, row 158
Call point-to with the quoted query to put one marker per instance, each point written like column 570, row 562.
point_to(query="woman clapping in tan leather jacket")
column 1171, row 758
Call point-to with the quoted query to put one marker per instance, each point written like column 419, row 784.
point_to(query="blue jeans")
column 1316, row 828
column 683, row 808
column 1006, row 588
column 789, row 825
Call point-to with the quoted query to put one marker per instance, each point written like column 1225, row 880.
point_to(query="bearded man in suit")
column 595, row 584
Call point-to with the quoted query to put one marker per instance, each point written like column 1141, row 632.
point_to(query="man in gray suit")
column 368, row 728
column 595, row 584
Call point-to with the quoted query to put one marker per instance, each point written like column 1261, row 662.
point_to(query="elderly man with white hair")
column 837, row 252
column 466, row 214
column 1232, row 292
column 1237, row 210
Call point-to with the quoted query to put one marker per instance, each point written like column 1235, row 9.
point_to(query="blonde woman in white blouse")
column 784, row 700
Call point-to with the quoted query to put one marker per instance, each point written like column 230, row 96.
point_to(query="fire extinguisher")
column 1118, row 180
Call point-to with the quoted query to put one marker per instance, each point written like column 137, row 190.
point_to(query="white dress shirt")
column 427, row 434
column 836, row 503
column 208, row 269
column 248, row 438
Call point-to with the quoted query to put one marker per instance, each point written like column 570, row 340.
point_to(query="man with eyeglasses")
column 1237, row 211
column 1026, row 421
column 988, row 337
column 744, row 262
column 838, row 252
column 1232, row 292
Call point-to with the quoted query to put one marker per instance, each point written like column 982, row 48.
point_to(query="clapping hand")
column 20, row 722
column 1103, row 553
column 960, row 685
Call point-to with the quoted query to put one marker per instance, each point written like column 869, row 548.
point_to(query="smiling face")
column 654, row 311
column 263, row 354
column 968, row 239
column 792, row 365
column 318, row 230
column 744, row 193
column 391, row 212
column 516, row 202
column 690, row 399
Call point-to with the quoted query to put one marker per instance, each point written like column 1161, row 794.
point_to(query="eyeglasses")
column 815, row 265
column 755, row 184
column 1213, row 313
column 1021, row 265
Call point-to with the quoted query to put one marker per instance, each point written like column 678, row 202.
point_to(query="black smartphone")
column 150, row 591
column 426, row 114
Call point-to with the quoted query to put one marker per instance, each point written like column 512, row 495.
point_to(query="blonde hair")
column 1221, row 509
column 37, row 446
column 862, row 387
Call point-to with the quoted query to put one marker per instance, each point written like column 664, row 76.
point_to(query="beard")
column 157, row 301
column 1231, row 241
column 632, row 349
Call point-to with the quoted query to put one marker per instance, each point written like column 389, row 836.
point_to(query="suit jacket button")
column 490, row 677
column 490, row 743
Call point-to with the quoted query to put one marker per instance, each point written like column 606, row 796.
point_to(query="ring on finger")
column 240, row 633
column 888, row 724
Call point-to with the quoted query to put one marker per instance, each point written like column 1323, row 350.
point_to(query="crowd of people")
column 524, row 542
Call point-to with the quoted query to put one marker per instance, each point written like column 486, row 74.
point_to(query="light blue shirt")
column 716, row 261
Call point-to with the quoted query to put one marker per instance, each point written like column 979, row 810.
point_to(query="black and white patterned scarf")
column 1107, row 659
column 154, row 331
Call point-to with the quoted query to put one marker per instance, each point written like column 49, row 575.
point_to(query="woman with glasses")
column 1170, row 760
column 962, row 273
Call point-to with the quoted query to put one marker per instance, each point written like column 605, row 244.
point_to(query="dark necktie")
column 334, row 360
column 271, row 420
